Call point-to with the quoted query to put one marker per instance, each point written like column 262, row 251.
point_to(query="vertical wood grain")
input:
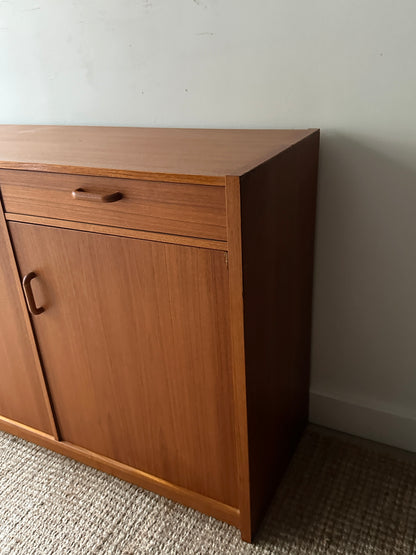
column 232, row 192
column 134, row 339
column 23, row 393
column 278, row 222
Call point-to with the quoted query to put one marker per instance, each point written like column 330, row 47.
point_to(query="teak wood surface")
column 175, row 342
column 120, row 231
column 277, row 232
column 175, row 208
column 23, row 395
column 203, row 155
column 138, row 331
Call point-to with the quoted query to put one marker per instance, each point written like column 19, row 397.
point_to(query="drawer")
column 173, row 208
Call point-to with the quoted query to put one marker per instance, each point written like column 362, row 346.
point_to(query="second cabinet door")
column 134, row 341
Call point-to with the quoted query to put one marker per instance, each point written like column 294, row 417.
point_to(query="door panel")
column 22, row 394
column 134, row 340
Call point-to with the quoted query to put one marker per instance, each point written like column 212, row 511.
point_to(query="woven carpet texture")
column 339, row 496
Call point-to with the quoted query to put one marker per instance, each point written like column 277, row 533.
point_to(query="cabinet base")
column 201, row 503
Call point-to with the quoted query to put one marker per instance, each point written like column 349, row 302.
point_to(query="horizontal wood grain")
column 216, row 181
column 120, row 232
column 172, row 208
column 202, row 154
column 186, row 497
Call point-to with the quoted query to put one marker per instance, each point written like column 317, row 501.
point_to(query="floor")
column 341, row 495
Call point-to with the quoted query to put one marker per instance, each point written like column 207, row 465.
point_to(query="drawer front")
column 173, row 208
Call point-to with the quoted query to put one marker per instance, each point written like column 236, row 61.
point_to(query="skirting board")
column 398, row 430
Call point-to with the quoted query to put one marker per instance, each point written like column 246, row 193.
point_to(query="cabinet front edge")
column 214, row 180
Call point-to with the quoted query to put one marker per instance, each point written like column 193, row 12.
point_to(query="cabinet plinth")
column 174, row 271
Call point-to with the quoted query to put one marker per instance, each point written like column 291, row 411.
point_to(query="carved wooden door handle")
column 27, row 288
column 81, row 194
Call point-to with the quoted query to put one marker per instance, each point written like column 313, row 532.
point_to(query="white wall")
column 347, row 66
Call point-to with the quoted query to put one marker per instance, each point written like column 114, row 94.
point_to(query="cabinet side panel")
column 278, row 220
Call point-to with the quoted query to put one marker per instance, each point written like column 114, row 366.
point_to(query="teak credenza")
column 155, row 289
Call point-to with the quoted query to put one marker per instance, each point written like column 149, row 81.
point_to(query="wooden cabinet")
column 173, row 270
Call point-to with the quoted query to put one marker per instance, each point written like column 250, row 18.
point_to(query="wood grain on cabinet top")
column 205, row 155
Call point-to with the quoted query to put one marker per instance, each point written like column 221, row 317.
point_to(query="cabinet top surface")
column 210, row 153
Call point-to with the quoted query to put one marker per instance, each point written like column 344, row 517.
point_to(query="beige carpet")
column 339, row 496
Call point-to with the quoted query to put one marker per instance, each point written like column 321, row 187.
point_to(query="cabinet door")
column 23, row 396
column 135, row 344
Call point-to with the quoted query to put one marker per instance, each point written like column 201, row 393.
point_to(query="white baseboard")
column 386, row 427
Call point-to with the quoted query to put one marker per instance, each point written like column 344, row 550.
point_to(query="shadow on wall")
column 363, row 346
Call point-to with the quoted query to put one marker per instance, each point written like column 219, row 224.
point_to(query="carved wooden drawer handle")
column 80, row 194
column 27, row 288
